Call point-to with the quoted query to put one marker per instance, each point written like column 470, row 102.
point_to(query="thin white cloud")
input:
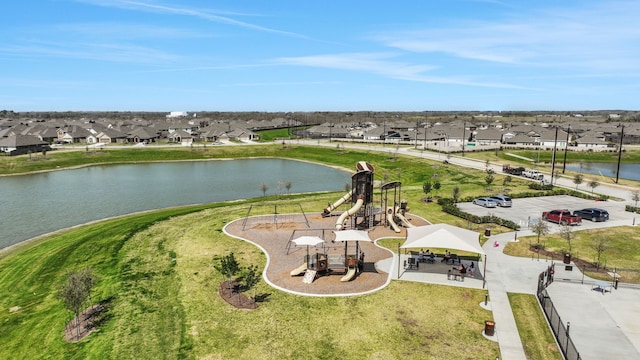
column 380, row 64
column 94, row 51
column 120, row 30
column 217, row 16
column 599, row 37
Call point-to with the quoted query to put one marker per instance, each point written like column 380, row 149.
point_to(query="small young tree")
column 489, row 179
column 455, row 193
column 578, row 180
column 566, row 232
column 264, row 187
column 635, row 196
column 593, row 184
column 506, row 181
column 599, row 246
column 436, row 186
column 228, row 266
column 251, row 277
column 89, row 280
column 74, row 293
column 540, row 228
column 426, row 188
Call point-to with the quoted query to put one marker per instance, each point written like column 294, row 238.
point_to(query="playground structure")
column 332, row 246
column 330, row 258
column 362, row 213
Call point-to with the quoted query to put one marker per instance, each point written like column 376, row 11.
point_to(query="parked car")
column 593, row 214
column 533, row 174
column 486, row 202
column 562, row 217
column 501, row 200
column 512, row 170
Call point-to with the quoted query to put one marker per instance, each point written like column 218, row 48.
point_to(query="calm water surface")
column 40, row 203
column 627, row 171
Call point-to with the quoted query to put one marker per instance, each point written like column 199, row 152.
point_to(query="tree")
column 426, row 188
column 540, row 228
column 635, row 196
column 436, row 186
column 593, row 184
column 599, row 245
column 455, row 193
column 228, row 266
column 489, row 179
column 89, row 280
column 578, row 180
column 75, row 290
column 506, row 181
column 566, row 232
column 264, row 187
column 251, row 278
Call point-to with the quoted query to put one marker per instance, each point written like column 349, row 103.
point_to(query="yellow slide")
column 349, row 212
column 339, row 202
column 351, row 272
column 299, row 270
column 394, row 226
column 404, row 220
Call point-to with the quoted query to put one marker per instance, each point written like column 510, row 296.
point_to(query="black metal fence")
column 559, row 329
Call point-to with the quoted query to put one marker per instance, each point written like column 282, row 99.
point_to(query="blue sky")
column 185, row 55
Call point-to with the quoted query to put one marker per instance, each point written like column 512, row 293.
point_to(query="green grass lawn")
column 160, row 308
column 621, row 251
column 537, row 338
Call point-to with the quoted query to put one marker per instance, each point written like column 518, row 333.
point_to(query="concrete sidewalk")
column 602, row 325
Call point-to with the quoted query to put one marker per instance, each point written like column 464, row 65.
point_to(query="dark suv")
column 592, row 214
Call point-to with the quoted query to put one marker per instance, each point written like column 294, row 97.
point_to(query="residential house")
column 22, row 144
column 592, row 142
column 182, row 137
column 489, row 136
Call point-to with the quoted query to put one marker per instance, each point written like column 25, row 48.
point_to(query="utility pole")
column 619, row 154
column 464, row 135
column 564, row 163
column 553, row 157
column 416, row 136
column 426, row 127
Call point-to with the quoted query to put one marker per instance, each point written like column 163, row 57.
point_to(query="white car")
column 486, row 202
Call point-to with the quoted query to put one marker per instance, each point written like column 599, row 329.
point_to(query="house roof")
column 21, row 140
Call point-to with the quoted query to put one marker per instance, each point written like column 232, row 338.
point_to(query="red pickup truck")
column 563, row 217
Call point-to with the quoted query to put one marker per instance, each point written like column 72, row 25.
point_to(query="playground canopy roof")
column 443, row 236
column 307, row 240
column 352, row 235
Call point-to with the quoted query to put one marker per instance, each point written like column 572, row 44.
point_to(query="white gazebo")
column 443, row 236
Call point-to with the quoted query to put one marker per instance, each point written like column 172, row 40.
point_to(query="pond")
column 39, row 203
column 627, row 171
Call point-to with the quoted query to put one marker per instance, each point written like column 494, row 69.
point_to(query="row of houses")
column 29, row 135
column 592, row 137
column 19, row 136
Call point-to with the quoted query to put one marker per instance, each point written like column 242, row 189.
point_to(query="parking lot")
column 526, row 210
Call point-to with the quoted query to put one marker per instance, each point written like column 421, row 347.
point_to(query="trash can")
column 489, row 327
column 567, row 258
column 487, row 232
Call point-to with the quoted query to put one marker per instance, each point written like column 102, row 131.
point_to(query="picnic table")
column 601, row 286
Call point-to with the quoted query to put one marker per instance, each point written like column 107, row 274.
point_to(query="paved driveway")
column 530, row 209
